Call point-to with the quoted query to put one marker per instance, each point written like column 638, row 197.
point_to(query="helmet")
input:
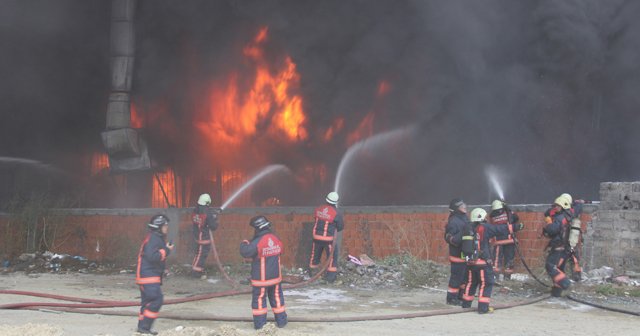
column 478, row 215
column 568, row 197
column 332, row 198
column 157, row 221
column 563, row 202
column 204, row 199
column 260, row 222
column 497, row 205
column 455, row 204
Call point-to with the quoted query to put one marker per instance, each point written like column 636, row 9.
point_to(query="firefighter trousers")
column 151, row 301
column 504, row 256
column 201, row 254
column 317, row 248
column 457, row 281
column 556, row 261
column 259, row 305
column 481, row 278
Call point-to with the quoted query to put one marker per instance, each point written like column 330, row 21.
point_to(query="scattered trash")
column 366, row 261
column 519, row 277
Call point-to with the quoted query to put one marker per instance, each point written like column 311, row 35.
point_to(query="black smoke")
column 544, row 90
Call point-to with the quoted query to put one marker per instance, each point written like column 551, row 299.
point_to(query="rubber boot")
column 556, row 291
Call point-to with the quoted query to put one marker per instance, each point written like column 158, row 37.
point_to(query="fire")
column 383, row 88
column 268, row 106
column 364, row 129
column 164, row 181
column 136, row 118
column 335, row 128
column 99, row 162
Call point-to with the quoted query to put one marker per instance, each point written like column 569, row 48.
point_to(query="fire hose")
column 85, row 303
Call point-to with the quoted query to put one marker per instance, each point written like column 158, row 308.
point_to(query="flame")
column 364, row 129
column 168, row 181
column 268, row 106
column 136, row 119
column 99, row 162
column 232, row 180
column 335, row 128
column 383, row 88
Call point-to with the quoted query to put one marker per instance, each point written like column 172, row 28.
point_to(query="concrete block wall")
column 105, row 234
column 613, row 237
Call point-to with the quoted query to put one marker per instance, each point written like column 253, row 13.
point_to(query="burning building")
column 200, row 95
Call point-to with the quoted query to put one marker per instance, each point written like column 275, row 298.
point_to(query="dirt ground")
column 549, row 317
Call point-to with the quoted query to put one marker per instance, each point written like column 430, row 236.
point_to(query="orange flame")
column 136, row 119
column 99, row 162
column 364, row 130
column 168, row 181
column 236, row 115
column 335, row 128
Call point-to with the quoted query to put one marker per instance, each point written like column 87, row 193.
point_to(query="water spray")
column 364, row 144
column 492, row 175
column 264, row 172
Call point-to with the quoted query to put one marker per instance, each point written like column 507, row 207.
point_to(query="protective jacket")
column 500, row 217
column 558, row 230
column 328, row 220
column 453, row 234
column 265, row 249
column 483, row 233
column 151, row 259
column 203, row 219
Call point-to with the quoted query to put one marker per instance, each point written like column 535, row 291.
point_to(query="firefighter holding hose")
column 151, row 264
column 504, row 249
column 453, row 236
column 575, row 232
column 204, row 220
column 264, row 249
column 559, row 249
column 328, row 222
column 475, row 250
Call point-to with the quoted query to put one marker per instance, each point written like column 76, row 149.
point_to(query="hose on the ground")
column 213, row 317
column 618, row 310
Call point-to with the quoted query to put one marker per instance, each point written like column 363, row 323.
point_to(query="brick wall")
column 101, row 234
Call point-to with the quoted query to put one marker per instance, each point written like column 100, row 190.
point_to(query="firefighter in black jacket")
column 559, row 249
column 453, row 236
column 265, row 249
column 151, row 263
column 475, row 249
column 575, row 212
column 504, row 248
column 328, row 221
column 204, row 219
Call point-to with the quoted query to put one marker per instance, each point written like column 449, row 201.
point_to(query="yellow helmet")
column 563, row 202
column 497, row 205
column 568, row 197
column 478, row 215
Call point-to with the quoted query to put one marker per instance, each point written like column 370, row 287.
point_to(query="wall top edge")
column 588, row 208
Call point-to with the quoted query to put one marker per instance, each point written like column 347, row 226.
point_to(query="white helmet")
column 568, row 197
column 563, row 202
column 332, row 198
column 497, row 205
column 478, row 215
column 204, row 199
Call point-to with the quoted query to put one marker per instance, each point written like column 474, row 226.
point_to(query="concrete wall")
column 613, row 237
column 108, row 234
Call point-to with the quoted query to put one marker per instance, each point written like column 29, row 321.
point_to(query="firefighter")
column 559, row 250
column 204, row 220
column 264, row 249
column 453, row 236
column 328, row 221
column 475, row 249
column 575, row 212
column 151, row 263
column 504, row 249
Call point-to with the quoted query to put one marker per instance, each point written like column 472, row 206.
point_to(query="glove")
column 518, row 227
